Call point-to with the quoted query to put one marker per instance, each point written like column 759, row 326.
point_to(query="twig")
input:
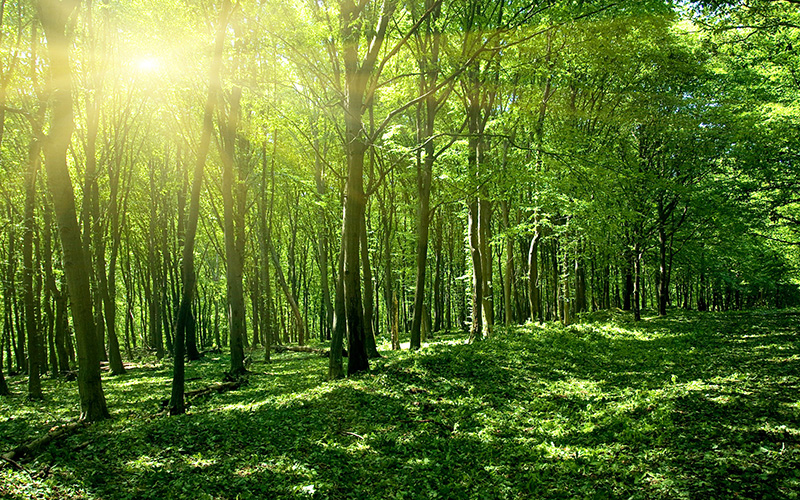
column 16, row 465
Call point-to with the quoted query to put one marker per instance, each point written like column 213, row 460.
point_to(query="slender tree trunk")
column 476, row 330
column 335, row 368
column 580, row 285
column 663, row 272
column 4, row 391
column 484, row 239
column 423, row 225
column 438, row 295
column 627, row 290
column 290, row 298
column 533, row 279
column 108, row 285
column 54, row 15
column 508, row 278
column 369, row 300
column 637, row 281
column 233, row 239
column 31, row 325
column 154, row 266
column 10, row 294
column 176, row 404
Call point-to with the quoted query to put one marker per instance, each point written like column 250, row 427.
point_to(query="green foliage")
column 687, row 407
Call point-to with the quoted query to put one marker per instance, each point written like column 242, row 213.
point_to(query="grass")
column 689, row 406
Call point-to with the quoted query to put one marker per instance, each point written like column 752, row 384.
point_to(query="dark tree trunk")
column 476, row 330
column 627, row 290
column 533, row 279
column 663, row 273
column 369, row 299
column 29, row 301
column 54, row 15
column 637, row 282
column 177, row 404
column 335, row 368
column 4, row 391
column 234, row 236
column 423, row 225
column 438, row 295
column 326, row 320
column 580, row 285
column 508, row 277
column 357, row 75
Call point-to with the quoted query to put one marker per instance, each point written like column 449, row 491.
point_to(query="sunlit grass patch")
column 663, row 409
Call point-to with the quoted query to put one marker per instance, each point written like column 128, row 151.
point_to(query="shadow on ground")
column 692, row 406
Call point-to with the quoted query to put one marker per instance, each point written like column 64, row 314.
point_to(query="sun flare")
column 148, row 64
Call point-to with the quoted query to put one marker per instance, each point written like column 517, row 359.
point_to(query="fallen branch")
column 16, row 465
column 325, row 353
column 106, row 366
column 32, row 447
column 219, row 388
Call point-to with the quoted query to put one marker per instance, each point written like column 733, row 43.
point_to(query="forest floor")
column 689, row 406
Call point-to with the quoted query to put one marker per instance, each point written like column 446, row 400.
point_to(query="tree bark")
column 508, row 278
column 54, row 15
column 476, row 330
column 357, row 75
column 438, row 295
column 31, row 325
column 234, row 242
column 637, row 281
column 335, row 368
column 177, row 403
column 369, row 299
column 533, row 279
column 326, row 323
column 290, row 298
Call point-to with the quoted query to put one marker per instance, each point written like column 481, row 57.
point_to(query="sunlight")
column 147, row 64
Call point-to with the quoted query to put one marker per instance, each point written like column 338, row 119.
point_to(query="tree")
column 189, row 277
column 54, row 16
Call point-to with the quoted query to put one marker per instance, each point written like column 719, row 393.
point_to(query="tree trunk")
column 663, row 273
column 485, row 235
column 533, row 279
column 4, row 391
column 335, row 368
column 290, row 298
column 177, row 403
column 508, row 278
column 326, row 323
column 580, row 285
column 30, row 304
column 369, row 300
column 108, row 284
column 637, row 281
column 357, row 74
column 9, row 294
column 423, row 225
column 54, row 15
column 438, row 295
column 156, row 334
column 627, row 290
column 234, row 243
column 476, row 330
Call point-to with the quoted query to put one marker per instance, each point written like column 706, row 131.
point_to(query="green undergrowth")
column 690, row 406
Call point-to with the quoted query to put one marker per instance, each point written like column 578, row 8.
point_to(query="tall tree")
column 176, row 404
column 54, row 16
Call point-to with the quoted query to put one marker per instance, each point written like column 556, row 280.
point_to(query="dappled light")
column 539, row 412
column 399, row 249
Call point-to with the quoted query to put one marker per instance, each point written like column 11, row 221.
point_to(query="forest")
column 399, row 249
